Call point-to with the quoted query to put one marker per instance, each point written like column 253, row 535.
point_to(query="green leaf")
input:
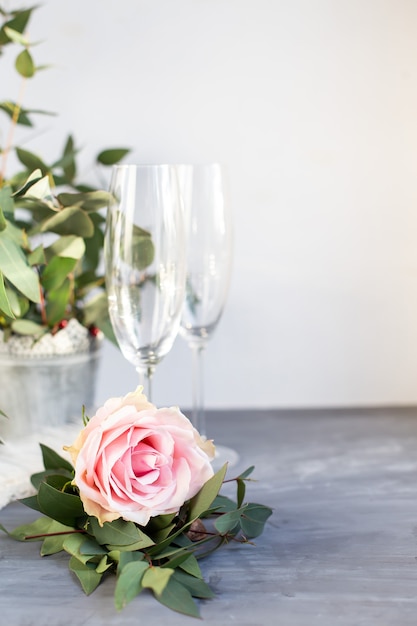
column 5, row 306
column 58, row 301
column 69, row 246
column 17, row 23
column 34, row 178
column 128, row 584
column 6, row 204
column 241, row 490
column 36, row 530
column 177, row 597
column 31, row 502
column 63, row 507
column 191, row 567
column 96, row 312
column 112, row 156
column 247, row 472
column 57, row 478
column 27, row 327
column 143, row 250
column 37, row 256
column 70, row 221
column 127, row 557
column 3, row 222
column 229, row 523
column 57, row 271
column 104, row 565
column 12, row 109
column 52, row 460
column 254, row 518
column 76, row 543
column 68, row 161
column 24, row 64
column 89, row 201
column 205, row 497
column 222, row 504
column 55, row 543
column 15, row 36
column 38, row 192
column 196, row 586
column 118, row 533
column 15, row 268
column 30, row 160
column 156, row 578
column 86, row 574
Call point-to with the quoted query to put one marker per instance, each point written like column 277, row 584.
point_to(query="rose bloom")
column 135, row 461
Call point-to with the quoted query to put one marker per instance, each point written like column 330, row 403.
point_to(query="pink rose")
column 135, row 461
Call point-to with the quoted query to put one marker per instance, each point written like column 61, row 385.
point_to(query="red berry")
column 62, row 324
column 94, row 331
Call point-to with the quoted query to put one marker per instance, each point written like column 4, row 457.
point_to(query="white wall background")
column 313, row 105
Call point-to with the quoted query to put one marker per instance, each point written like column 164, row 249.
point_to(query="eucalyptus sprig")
column 51, row 239
column 163, row 556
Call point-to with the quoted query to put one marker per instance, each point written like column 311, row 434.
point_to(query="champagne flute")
column 144, row 252
column 209, row 259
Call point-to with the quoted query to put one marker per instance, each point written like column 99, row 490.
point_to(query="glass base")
column 224, row 455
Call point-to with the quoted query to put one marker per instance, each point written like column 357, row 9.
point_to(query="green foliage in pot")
column 51, row 225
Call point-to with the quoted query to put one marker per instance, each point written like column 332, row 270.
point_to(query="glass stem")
column 198, row 415
column 145, row 380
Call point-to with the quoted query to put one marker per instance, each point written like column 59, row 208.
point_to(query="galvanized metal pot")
column 46, row 391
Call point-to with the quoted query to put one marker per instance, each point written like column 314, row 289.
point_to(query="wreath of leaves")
column 162, row 556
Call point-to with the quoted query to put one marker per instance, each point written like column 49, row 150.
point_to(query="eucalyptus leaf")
column 113, row 156
column 68, row 163
column 58, row 302
column 254, row 518
column 24, row 64
column 223, row 504
column 191, row 567
column 157, row 578
column 37, row 257
column 55, row 542
column 3, row 222
column 196, row 586
column 205, row 497
column 69, row 246
column 103, row 565
column 17, row 23
column 30, row 160
column 70, row 221
column 6, row 205
column 63, row 507
column 57, row 271
column 241, row 490
column 229, row 523
column 178, row 598
column 15, row 36
column 27, row 327
column 86, row 574
column 73, row 544
column 5, row 305
column 52, row 460
column 118, row 533
column 35, row 530
column 15, row 268
column 128, row 584
column 90, row 201
column 13, row 110
column 29, row 182
column 247, row 472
